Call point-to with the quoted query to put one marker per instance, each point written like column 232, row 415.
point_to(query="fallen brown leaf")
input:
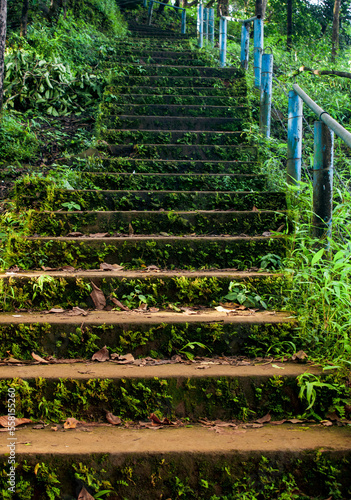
column 71, row 423
column 99, row 235
column 254, row 209
column 264, row 420
column 98, row 297
column 112, row 419
column 153, row 309
column 102, row 355
column 55, row 310
column 75, row 234
column 326, row 423
column 17, row 421
column 85, row 495
column 124, row 359
column 119, row 304
column 69, row 269
column 300, row 356
column 110, row 267
column 39, row 359
column 277, row 422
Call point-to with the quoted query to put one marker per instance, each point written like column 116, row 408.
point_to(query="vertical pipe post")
column 295, row 114
column 151, row 8
column 144, row 3
column 258, row 49
column 211, row 26
column 323, row 180
column 245, row 42
column 206, row 24
column 183, row 28
column 266, row 94
column 222, row 41
column 200, row 25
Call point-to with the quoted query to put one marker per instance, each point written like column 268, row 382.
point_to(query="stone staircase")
column 171, row 219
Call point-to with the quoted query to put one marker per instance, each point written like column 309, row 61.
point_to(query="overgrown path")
column 157, row 260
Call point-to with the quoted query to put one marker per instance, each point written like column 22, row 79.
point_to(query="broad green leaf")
column 317, row 256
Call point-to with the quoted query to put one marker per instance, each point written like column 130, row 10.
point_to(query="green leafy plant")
column 239, row 293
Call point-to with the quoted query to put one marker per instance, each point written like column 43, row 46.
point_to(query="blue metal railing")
column 150, row 11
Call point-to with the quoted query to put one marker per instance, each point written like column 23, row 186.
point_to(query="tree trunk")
column 223, row 8
column 289, row 30
column 24, row 18
column 260, row 8
column 335, row 35
column 3, row 17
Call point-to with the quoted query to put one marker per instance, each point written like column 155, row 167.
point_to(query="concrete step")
column 182, row 137
column 182, row 252
column 72, row 288
column 166, row 98
column 86, row 391
column 176, row 123
column 142, row 222
column 180, row 72
column 173, row 166
column 151, row 200
column 159, row 335
column 184, row 89
column 229, row 112
column 227, row 84
column 189, row 462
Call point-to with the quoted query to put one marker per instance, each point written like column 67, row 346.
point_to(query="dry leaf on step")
column 124, row 359
column 71, row 423
column 39, row 359
column 55, row 310
column 18, row 421
column 85, row 495
column 76, row 311
column 102, row 355
column 264, row 420
column 98, row 297
column 119, row 304
column 68, row 269
column 110, row 267
column 99, row 235
column 112, row 419
column 75, row 234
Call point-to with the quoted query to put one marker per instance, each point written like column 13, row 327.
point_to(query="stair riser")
column 150, row 110
column 135, row 399
column 163, row 166
column 126, row 200
column 199, row 475
column 226, row 85
column 179, row 72
column 166, row 253
column 164, row 61
column 111, row 99
column 60, row 224
column 72, row 341
column 20, row 292
column 146, row 137
column 206, row 90
column 166, row 123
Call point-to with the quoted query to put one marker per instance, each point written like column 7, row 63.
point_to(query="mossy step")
column 157, row 335
column 150, row 70
column 149, row 200
column 273, row 462
column 185, row 151
column 173, row 166
column 166, row 89
column 134, row 392
column 165, row 60
column 37, row 290
column 188, row 123
column 174, row 110
column 227, row 84
column 177, row 223
column 145, row 137
column 161, row 182
column 171, row 54
column 135, row 251
column 111, row 99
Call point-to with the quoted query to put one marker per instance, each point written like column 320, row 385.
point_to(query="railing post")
column 258, row 49
column 206, row 24
column 222, row 41
column 211, row 25
column 183, row 29
column 295, row 113
column 151, row 8
column 144, row 3
column 266, row 94
column 245, row 42
column 323, row 180
column 200, row 25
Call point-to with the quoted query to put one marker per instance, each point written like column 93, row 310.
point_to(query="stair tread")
column 114, row 371
column 122, row 442
column 113, row 239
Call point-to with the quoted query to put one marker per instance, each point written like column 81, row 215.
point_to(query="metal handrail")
column 169, row 5
column 151, row 6
column 324, row 116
